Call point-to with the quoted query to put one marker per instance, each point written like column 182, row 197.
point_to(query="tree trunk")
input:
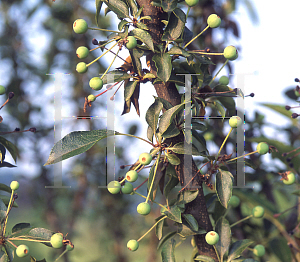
column 170, row 93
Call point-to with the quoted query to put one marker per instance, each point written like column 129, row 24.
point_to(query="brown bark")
column 170, row 93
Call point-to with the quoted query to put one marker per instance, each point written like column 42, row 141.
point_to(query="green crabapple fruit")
column 57, row 240
column 2, row 90
column 127, row 188
column 81, row 67
column 208, row 136
column 131, row 176
column 14, row 185
column 114, row 187
column 132, row 43
column 80, row 26
column 191, row 3
column 143, row 208
column 213, row 21
column 82, row 52
column 291, row 179
column 230, row 52
column 224, row 80
column 297, row 93
column 259, row 250
column 212, row 238
column 234, row 201
column 91, row 98
column 70, row 247
column 22, row 251
column 132, row 245
column 258, row 211
column 235, row 121
column 145, row 158
column 96, row 83
column 262, row 148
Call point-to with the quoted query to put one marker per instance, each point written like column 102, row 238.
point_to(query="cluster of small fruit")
column 212, row 237
column 80, row 26
column 57, row 240
column 114, row 187
column 297, row 94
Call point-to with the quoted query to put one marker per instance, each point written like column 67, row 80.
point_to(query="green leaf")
column 174, row 160
column 168, row 251
column 163, row 63
column 118, row 7
column 224, row 231
column 220, row 108
column 224, row 186
column 129, row 89
column 5, row 188
column 186, row 196
column 180, row 149
column 138, row 13
column 176, row 50
column 6, row 164
column 167, row 105
column 168, row 117
column 133, row 7
column 115, row 76
column 171, row 131
column 75, row 143
column 9, row 253
column 20, row 229
column 142, row 26
column 6, row 199
column 173, row 181
column 237, row 248
column 184, row 230
column 204, row 258
column 150, row 134
column 165, row 239
column 174, row 213
column 3, row 209
column 2, row 153
column 175, row 25
column 152, row 114
column 157, row 177
column 159, row 227
column 42, row 234
column 169, row 5
column 143, row 36
column 98, row 9
column 122, row 24
column 191, row 221
column 198, row 126
column 13, row 150
column 148, row 75
column 136, row 54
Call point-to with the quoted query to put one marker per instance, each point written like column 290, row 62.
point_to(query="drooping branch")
column 170, row 93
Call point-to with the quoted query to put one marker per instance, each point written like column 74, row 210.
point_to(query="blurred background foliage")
column 37, row 41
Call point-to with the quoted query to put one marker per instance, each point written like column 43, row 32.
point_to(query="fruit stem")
column 218, row 72
column 102, row 29
column 237, row 222
column 61, row 255
column 138, row 138
column 102, row 54
column 242, row 156
column 151, row 228
column 7, row 212
column 110, row 64
column 187, row 13
column 102, row 45
column 204, row 53
column 196, row 36
column 217, row 253
column 223, row 144
column 152, row 182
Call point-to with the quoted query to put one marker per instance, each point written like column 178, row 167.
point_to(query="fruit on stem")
column 2, row 90
column 191, row 3
column 212, row 238
column 230, row 52
column 81, row 67
column 213, row 21
column 114, row 187
column 143, row 208
column 132, row 43
column 132, row 245
column 131, row 176
column 262, row 148
column 145, row 158
column 82, row 52
column 127, row 188
column 291, row 179
column 259, row 250
column 96, row 83
column 14, row 185
column 91, row 98
column 22, row 251
column 57, row 240
column 80, row 26
column 234, row 201
column 258, row 212
column 235, row 121
column 224, row 80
